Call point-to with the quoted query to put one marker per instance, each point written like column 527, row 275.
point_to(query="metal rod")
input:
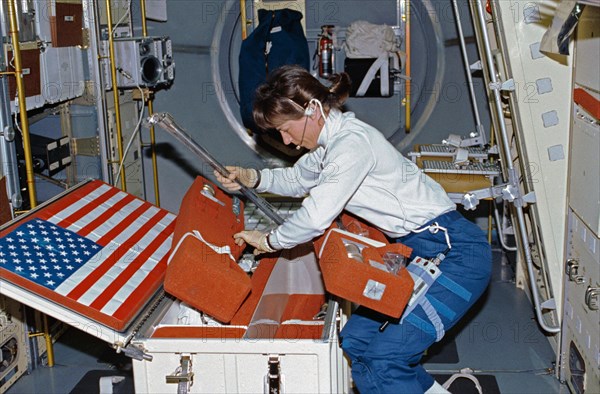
column 113, row 74
column 500, row 228
column 16, row 49
column 463, row 48
column 407, row 107
column 511, row 171
column 167, row 123
column 150, row 113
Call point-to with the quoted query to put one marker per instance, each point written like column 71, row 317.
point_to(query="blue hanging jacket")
column 288, row 45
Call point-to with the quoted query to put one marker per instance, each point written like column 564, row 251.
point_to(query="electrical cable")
column 127, row 13
column 135, row 131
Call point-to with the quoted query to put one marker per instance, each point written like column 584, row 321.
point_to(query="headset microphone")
column 308, row 114
column 308, row 111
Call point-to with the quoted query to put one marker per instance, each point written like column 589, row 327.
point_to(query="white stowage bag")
column 367, row 40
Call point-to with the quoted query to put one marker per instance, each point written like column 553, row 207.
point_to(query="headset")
column 310, row 108
column 309, row 111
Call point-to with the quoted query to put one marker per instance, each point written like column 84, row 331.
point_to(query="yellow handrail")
column 16, row 50
column 150, row 112
column 113, row 74
column 243, row 19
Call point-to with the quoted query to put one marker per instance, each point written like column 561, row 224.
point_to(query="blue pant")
column 388, row 361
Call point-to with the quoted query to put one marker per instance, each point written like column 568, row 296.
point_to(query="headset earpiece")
column 309, row 110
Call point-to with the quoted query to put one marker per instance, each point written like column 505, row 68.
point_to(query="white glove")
column 249, row 177
column 258, row 239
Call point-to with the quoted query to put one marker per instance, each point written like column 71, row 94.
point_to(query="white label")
column 26, row 71
column 374, row 290
column 276, row 29
column 69, row 18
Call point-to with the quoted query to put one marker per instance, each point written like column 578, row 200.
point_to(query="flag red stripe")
column 114, row 257
column 64, row 202
column 132, row 268
column 144, row 291
column 75, row 216
column 112, row 234
column 102, row 218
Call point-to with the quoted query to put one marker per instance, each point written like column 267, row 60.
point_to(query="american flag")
column 97, row 250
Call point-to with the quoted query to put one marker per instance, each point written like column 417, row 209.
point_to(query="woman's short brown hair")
column 288, row 90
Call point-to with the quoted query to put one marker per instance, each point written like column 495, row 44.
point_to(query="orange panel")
column 259, row 282
column 347, row 277
column 206, row 280
column 199, row 332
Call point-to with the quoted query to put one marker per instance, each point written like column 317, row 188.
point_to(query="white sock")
column 437, row 389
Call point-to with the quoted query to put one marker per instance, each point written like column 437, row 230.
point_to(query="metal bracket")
column 476, row 66
column 133, row 352
column 506, row 86
column 183, row 375
column 572, row 271
column 273, row 379
column 509, row 192
column 475, row 139
column 549, row 304
column 591, row 298
column 86, row 146
column 85, row 38
column 8, row 133
column 17, row 199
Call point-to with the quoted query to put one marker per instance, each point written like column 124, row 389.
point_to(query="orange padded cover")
column 347, row 277
column 259, row 280
column 210, row 282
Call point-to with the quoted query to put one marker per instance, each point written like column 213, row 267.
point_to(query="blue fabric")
column 388, row 361
column 289, row 46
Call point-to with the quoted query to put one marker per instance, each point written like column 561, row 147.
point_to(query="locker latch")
column 591, row 297
column 273, row 380
column 183, row 375
column 572, row 271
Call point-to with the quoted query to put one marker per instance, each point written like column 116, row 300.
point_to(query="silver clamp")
column 506, row 86
column 509, row 191
column 591, row 298
column 133, row 352
column 8, row 133
column 274, row 378
column 183, row 375
column 572, row 271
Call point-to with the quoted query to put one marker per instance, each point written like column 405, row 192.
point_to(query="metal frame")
column 511, row 190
